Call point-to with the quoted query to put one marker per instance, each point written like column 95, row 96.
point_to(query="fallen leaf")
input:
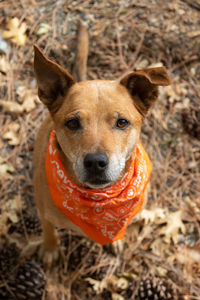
column 12, row 138
column 187, row 255
column 43, row 28
column 3, row 224
column 159, row 247
column 6, row 170
column 4, row 64
column 28, row 98
column 97, row 286
column 14, row 126
column 15, row 32
column 3, row 45
column 12, row 134
column 190, row 258
column 161, row 271
column 184, row 104
column 171, row 230
column 10, row 211
column 11, row 107
column 116, row 296
column 177, row 91
column 194, row 205
column 156, row 65
column 29, row 104
column 141, row 64
column 192, row 34
column 117, row 284
column 122, row 284
column 156, row 215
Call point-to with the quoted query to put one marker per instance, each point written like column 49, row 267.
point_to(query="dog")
column 90, row 170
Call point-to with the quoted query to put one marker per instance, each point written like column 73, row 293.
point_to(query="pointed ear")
column 143, row 86
column 53, row 81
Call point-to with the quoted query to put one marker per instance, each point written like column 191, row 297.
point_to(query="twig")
column 192, row 3
column 119, row 44
column 76, row 296
column 186, row 61
column 135, row 54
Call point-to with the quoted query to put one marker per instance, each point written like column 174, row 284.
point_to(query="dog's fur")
column 97, row 105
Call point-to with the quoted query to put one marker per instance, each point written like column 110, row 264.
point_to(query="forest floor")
column 124, row 35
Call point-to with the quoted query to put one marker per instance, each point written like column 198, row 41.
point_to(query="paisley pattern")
column 103, row 215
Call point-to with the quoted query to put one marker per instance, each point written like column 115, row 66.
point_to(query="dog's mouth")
column 97, row 183
column 96, row 175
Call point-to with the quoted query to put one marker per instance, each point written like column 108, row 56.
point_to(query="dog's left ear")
column 143, row 86
column 53, row 81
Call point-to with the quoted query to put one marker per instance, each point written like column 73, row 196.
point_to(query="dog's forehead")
column 94, row 89
column 99, row 93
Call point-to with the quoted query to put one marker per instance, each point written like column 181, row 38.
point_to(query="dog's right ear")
column 53, row 81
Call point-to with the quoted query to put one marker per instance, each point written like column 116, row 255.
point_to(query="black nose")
column 96, row 162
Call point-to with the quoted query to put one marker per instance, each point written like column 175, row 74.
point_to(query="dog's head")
column 97, row 122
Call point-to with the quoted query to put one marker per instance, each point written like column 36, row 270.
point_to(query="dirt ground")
column 124, row 35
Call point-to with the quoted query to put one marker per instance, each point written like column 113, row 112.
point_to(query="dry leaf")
column 122, row 284
column 184, row 104
column 156, row 65
column 97, row 286
column 11, row 107
column 171, row 230
column 6, row 170
column 43, row 28
column 53, row 288
column 9, row 211
column 141, row 64
column 12, row 134
column 190, row 258
column 3, row 224
column 195, row 206
column 159, row 247
column 29, row 104
column 177, row 91
column 116, row 296
column 187, row 255
column 3, row 45
column 14, row 126
column 192, row 34
column 116, row 283
column 28, row 98
column 156, row 215
column 161, row 271
column 15, row 32
column 12, row 138
column 4, row 64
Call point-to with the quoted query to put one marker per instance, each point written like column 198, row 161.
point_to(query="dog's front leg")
column 49, row 250
column 47, row 247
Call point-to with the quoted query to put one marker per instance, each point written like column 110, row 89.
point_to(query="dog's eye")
column 122, row 124
column 73, row 124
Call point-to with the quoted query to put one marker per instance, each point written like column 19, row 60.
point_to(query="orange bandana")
column 103, row 215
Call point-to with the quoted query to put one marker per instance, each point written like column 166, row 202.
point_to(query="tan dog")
column 99, row 119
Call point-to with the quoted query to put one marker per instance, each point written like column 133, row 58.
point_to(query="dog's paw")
column 48, row 257
column 31, row 248
column 116, row 248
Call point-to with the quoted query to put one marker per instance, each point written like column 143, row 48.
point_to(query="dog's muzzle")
column 95, row 165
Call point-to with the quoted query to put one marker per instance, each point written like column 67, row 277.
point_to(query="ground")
column 124, row 35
